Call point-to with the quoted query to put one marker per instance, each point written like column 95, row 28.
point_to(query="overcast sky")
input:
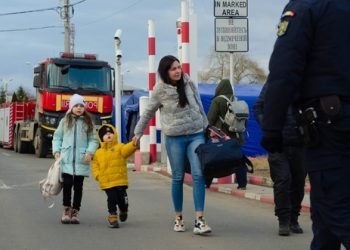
column 96, row 22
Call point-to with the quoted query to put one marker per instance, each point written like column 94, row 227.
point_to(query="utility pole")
column 66, row 15
column 72, row 37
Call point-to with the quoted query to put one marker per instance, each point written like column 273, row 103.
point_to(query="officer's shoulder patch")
column 288, row 13
column 282, row 28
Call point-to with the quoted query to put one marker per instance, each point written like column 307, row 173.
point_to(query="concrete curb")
column 266, row 181
column 265, row 198
column 222, row 188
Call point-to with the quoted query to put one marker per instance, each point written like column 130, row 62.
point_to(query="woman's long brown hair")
column 163, row 68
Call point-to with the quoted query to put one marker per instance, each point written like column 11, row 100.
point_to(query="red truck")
column 29, row 127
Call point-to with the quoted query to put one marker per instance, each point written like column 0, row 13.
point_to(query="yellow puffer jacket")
column 109, row 165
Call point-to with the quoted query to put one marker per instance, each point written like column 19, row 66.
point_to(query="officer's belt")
column 326, row 107
column 345, row 112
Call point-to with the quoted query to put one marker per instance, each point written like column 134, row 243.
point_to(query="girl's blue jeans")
column 180, row 148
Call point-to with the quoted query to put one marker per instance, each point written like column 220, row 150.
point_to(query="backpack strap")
column 228, row 100
column 225, row 97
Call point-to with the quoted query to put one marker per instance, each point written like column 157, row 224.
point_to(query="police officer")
column 311, row 58
column 286, row 170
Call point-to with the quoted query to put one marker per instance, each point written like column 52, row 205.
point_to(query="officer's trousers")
column 288, row 176
column 329, row 172
column 330, row 208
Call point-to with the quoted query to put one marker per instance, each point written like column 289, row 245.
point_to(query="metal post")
column 117, row 87
column 122, row 80
column 231, row 72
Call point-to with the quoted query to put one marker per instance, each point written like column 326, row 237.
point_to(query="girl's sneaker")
column 74, row 217
column 200, row 227
column 179, row 225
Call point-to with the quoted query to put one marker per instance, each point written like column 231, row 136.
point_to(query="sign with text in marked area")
column 231, row 34
column 233, row 8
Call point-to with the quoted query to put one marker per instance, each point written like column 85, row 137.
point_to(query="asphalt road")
column 28, row 224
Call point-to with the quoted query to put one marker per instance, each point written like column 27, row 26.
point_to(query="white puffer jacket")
column 174, row 119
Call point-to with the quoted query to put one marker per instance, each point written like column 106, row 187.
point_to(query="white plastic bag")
column 52, row 184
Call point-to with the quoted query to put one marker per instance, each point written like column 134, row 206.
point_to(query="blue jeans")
column 179, row 148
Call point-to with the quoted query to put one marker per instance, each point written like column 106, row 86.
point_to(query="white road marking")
column 3, row 186
column 6, row 154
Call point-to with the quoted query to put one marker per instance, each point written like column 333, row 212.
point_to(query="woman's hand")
column 136, row 140
column 87, row 157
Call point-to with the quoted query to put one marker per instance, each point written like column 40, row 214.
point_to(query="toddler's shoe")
column 200, row 226
column 113, row 220
column 123, row 216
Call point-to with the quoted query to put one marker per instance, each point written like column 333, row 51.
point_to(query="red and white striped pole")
column 185, row 43
column 185, row 36
column 151, row 83
column 142, row 157
column 179, row 43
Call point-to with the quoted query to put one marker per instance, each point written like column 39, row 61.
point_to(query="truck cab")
column 56, row 80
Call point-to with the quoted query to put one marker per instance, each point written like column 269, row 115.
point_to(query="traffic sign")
column 231, row 34
column 233, row 8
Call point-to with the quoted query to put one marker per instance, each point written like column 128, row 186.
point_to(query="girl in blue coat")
column 74, row 142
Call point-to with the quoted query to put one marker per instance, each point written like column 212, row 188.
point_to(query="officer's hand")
column 272, row 141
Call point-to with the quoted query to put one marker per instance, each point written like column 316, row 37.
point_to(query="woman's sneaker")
column 179, row 225
column 200, row 227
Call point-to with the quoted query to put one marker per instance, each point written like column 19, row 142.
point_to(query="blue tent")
column 129, row 113
column 247, row 92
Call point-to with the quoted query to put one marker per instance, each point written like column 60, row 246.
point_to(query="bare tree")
column 244, row 69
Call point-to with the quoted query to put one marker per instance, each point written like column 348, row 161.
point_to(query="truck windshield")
column 77, row 77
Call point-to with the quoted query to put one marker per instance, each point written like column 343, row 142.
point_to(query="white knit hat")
column 74, row 100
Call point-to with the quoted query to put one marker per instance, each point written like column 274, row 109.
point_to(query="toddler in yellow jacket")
column 109, row 167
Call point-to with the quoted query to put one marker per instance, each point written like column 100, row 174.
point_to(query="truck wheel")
column 22, row 146
column 40, row 144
